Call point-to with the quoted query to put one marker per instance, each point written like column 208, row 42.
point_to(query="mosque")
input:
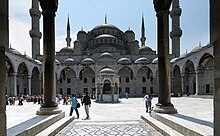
column 108, row 62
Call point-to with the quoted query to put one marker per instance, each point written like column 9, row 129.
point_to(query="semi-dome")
column 87, row 61
column 106, row 55
column 14, row 51
column 67, row 50
column 183, row 55
column 124, row 61
column 145, row 49
column 105, row 36
column 69, row 61
column 107, row 71
column 142, row 60
column 105, row 26
column 196, row 49
column 155, row 61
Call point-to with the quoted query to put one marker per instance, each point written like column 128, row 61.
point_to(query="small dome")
column 129, row 31
column 14, row 51
column 124, row 61
column 145, row 49
column 57, row 62
column 196, row 49
column 142, row 60
column 105, row 26
column 173, row 60
column 105, row 36
column 106, row 55
column 38, row 62
column 87, row 61
column 67, row 50
column 183, row 55
column 69, row 61
column 155, row 61
column 107, row 71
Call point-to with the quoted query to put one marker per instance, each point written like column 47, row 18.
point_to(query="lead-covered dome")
column 142, row 60
column 67, row 50
column 105, row 36
column 196, row 49
column 145, row 49
column 70, row 61
column 105, row 26
column 87, row 61
column 14, row 51
column 124, row 61
column 107, row 71
column 106, row 55
column 155, row 61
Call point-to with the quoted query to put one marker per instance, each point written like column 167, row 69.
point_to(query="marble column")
column 50, row 106
column 197, row 82
column 164, row 104
column 4, row 37
column 15, row 83
column 215, row 39
column 29, row 85
column 182, row 84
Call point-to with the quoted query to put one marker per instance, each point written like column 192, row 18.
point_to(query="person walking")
column 87, row 102
column 148, row 103
column 74, row 105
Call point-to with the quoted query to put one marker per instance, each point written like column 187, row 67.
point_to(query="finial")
column 25, row 53
column 81, row 28
column 186, row 51
column 105, row 19
column 200, row 44
column 10, row 45
column 129, row 28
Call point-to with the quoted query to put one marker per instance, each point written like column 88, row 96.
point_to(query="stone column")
column 164, row 104
column 215, row 39
column 4, row 37
column 197, row 82
column 29, row 85
column 15, row 83
column 49, row 106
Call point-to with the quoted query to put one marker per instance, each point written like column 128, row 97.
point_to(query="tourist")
column 148, row 103
column 87, row 102
column 20, row 100
column 126, row 95
column 74, row 105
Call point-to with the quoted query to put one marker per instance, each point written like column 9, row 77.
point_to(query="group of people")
column 85, row 100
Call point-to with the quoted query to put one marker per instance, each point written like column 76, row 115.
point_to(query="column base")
column 168, row 109
column 48, row 110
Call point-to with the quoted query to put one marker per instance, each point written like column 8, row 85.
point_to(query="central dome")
column 103, row 26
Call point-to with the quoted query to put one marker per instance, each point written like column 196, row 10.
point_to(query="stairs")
column 49, row 126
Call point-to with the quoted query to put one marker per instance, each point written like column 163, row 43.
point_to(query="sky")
column 124, row 14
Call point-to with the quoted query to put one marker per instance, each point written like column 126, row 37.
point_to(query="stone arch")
column 176, row 81
column 206, row 74
column 87, row 80
column 126, row 82
column 9, row 76
column 144, row 81
column 22, row 79
column 189, row 78
column 67, row 82
column 36, row 82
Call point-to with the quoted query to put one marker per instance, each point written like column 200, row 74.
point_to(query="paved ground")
column 121, row 119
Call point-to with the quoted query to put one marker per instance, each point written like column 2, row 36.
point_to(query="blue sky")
column 87, row 14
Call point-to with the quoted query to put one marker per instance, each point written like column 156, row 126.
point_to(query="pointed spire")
column 68, row 39
column 105, row 19
column 143, row 38
column 200, row 44
column 68, row 24
column 10, row 45
column 82, row 29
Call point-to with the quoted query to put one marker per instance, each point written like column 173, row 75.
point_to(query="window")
column 61, row 91
column 68, row 80
column 143, row 79
column 119, row 79
column 85, row 80
column 68, row 91
column 127, row 90
column 61, row 80
column 93, row 80
column 127, row 80
column 85, row 90
column 144, row 90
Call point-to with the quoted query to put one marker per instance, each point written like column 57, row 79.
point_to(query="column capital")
column 49, row 5
column 161, row 5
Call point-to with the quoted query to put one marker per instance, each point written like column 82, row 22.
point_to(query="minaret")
column 68, row 39
column 143, row 38
column 176, row 32
column 35, row 33
column 105, row 19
